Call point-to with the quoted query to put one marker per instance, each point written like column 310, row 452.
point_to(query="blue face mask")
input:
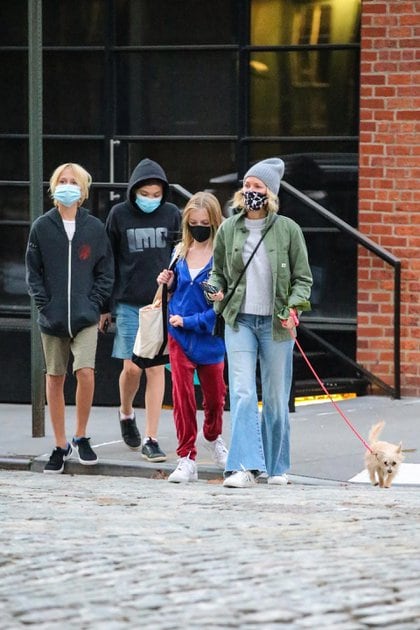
column 148, row 205
column 67, row 194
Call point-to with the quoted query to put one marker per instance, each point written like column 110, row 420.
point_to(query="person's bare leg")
column 129, row 384
column 84, row 398
column 56, row 407
column 155, row 389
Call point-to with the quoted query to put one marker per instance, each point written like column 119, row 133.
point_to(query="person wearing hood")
column 143, row 231
column 70, row 274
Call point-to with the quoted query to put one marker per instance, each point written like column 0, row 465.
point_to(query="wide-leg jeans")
column 260, row 443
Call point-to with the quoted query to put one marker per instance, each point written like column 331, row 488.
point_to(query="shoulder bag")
column 219, row 326
column 150, row 346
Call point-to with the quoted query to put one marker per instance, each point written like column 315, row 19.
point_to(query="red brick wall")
column 389, row 200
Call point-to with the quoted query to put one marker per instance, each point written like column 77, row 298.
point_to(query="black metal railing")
column 340, row 225
column 384, row 255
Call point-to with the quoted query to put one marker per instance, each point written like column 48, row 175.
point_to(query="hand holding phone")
column 208, row 288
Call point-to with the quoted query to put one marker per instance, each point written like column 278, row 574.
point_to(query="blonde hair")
column 201, row 200
column 82, row 177
column 272, row 206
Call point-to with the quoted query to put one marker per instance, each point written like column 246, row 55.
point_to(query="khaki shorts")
column 82, row 346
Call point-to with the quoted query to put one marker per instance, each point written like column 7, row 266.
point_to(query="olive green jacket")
column 286, row 249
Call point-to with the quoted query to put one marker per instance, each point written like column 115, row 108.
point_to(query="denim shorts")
column 127, row 323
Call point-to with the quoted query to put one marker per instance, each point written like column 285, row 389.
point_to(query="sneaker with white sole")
column 85, row 452
column 56, row 462
column 152, row 451
column 129, row 432
column 217, row 448
column 278, row 480
column 240, row 479
column 185, row 471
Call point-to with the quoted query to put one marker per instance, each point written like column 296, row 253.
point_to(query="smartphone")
column 208, row 288
column 105, row 326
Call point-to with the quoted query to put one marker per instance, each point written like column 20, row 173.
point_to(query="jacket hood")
column 147, row 169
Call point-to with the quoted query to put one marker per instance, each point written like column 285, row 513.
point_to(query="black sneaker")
column 130, row 433
column 56, row 462
column 87, row 455
column 152, row 451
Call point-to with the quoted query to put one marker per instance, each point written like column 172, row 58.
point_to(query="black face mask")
column 200, row 233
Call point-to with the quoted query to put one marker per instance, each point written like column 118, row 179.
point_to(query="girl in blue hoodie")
column 192, row 345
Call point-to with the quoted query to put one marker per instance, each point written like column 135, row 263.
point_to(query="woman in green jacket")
column 259, row 317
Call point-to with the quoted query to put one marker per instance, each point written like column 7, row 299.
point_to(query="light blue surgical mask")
column 148, row 205
column 67, row 194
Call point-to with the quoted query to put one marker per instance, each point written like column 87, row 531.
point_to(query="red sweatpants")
column 185, row 406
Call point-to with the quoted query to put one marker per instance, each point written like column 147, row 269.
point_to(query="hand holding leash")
column 291, row 321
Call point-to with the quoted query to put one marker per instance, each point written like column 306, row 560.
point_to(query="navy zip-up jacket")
column 70, row 281
column 187, row 300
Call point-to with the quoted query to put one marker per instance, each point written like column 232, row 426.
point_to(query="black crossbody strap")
column 246, row 266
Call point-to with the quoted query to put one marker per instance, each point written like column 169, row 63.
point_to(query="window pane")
column 330, row 179
column 77, row 22
column 15, row 167
column 74, row 89
column 190, row 164
column 176, row 22
column 14, row 95
column 263, row 150
column 14, row 204
column 88, row 153
column 333, row 260
column 176, row 93
column 304, row 93
column 285, row 22
column 13, row 289
column 14, row 23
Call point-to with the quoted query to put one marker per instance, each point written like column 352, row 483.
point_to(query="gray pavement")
column 324, row 449
column 113, row 553
column 117, row 547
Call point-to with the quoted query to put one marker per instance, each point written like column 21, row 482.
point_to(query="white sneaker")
column 240, row 479
column 217, row 448
column 278, row 480
column 185, row 471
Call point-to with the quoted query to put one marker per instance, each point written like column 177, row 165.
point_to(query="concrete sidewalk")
column 324, row 448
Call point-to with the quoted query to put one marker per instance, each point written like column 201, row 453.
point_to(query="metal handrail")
column 384, row 255
column 342, row 226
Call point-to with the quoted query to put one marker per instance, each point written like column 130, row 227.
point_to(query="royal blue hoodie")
column 187, row 300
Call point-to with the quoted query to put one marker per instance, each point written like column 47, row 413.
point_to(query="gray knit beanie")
column 269, row 172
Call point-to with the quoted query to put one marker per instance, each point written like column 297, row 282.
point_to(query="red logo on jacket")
column 84, row 252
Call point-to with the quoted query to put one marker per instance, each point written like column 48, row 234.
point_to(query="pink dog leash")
column 342, row 414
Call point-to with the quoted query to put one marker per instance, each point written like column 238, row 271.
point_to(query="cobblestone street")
column 115, row 552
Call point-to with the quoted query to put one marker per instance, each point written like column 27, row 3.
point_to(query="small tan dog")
column 384, row 460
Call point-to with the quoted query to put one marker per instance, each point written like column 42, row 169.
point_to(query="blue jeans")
column 258, row 443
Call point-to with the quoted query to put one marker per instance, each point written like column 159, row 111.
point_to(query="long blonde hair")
column 201, row 200
column 82, row 177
